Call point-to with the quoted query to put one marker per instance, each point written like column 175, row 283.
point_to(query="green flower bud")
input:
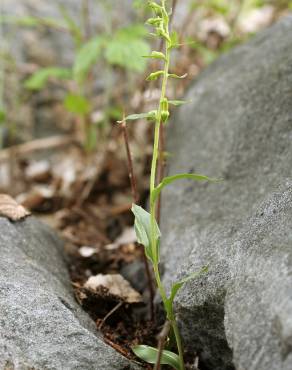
column 164, row 104
column 154, row 21
column 164, row 115
column 154, row 6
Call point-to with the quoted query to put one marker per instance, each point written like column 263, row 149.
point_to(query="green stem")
column 159, row 284
column 154, row 242
column 178, row 341
column 156, row 153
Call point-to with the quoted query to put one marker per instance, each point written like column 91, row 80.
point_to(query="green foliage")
column 114, row 112
column 151, row 116
column 178, row 285
column 91, row 138
column 174, row 40
column 144, row 232
column 134, row 32
column 170, row 179
column 150, row 355
column 177, row 103
column 126, row 48
column 72, row 26
column 123, row 48
column 40, row 78
column 77, row 104
column 2, row 116
column 86, row 57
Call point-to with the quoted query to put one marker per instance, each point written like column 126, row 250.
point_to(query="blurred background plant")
column 113, row 52
column 104, row 73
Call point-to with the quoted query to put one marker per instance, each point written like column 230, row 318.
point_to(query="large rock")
column 41, row 325
column 238, row 127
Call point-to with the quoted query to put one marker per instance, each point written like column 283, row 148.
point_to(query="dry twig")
column 36, row 145
column 135, row 199
column 161, row 343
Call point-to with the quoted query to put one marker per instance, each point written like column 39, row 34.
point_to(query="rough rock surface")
column 41, row 325
column 238, row 127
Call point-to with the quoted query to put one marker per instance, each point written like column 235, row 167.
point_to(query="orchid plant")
column 146, row 226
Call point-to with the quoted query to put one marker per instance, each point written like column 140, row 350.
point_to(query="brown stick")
column 130, row 162
column 161, row 343
column 136, row 199
column 35, row 145
column 110, row 313
column 150, row 284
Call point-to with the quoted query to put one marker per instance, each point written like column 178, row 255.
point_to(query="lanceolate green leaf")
column 168, row 180
column 39, row 79
column 143, row 230
column 133, row 117
column 174, row 40
column 177, row 103
column 178, row 285
column 150, row 355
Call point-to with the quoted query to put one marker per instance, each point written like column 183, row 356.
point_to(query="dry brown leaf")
column 11, row 209
column 116, row 286
column 36, row 196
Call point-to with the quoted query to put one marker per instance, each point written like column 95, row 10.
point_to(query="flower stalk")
column 161, row 117
column 146, row 226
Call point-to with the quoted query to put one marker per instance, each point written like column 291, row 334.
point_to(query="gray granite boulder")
column 41, row 324
column 238, row 127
